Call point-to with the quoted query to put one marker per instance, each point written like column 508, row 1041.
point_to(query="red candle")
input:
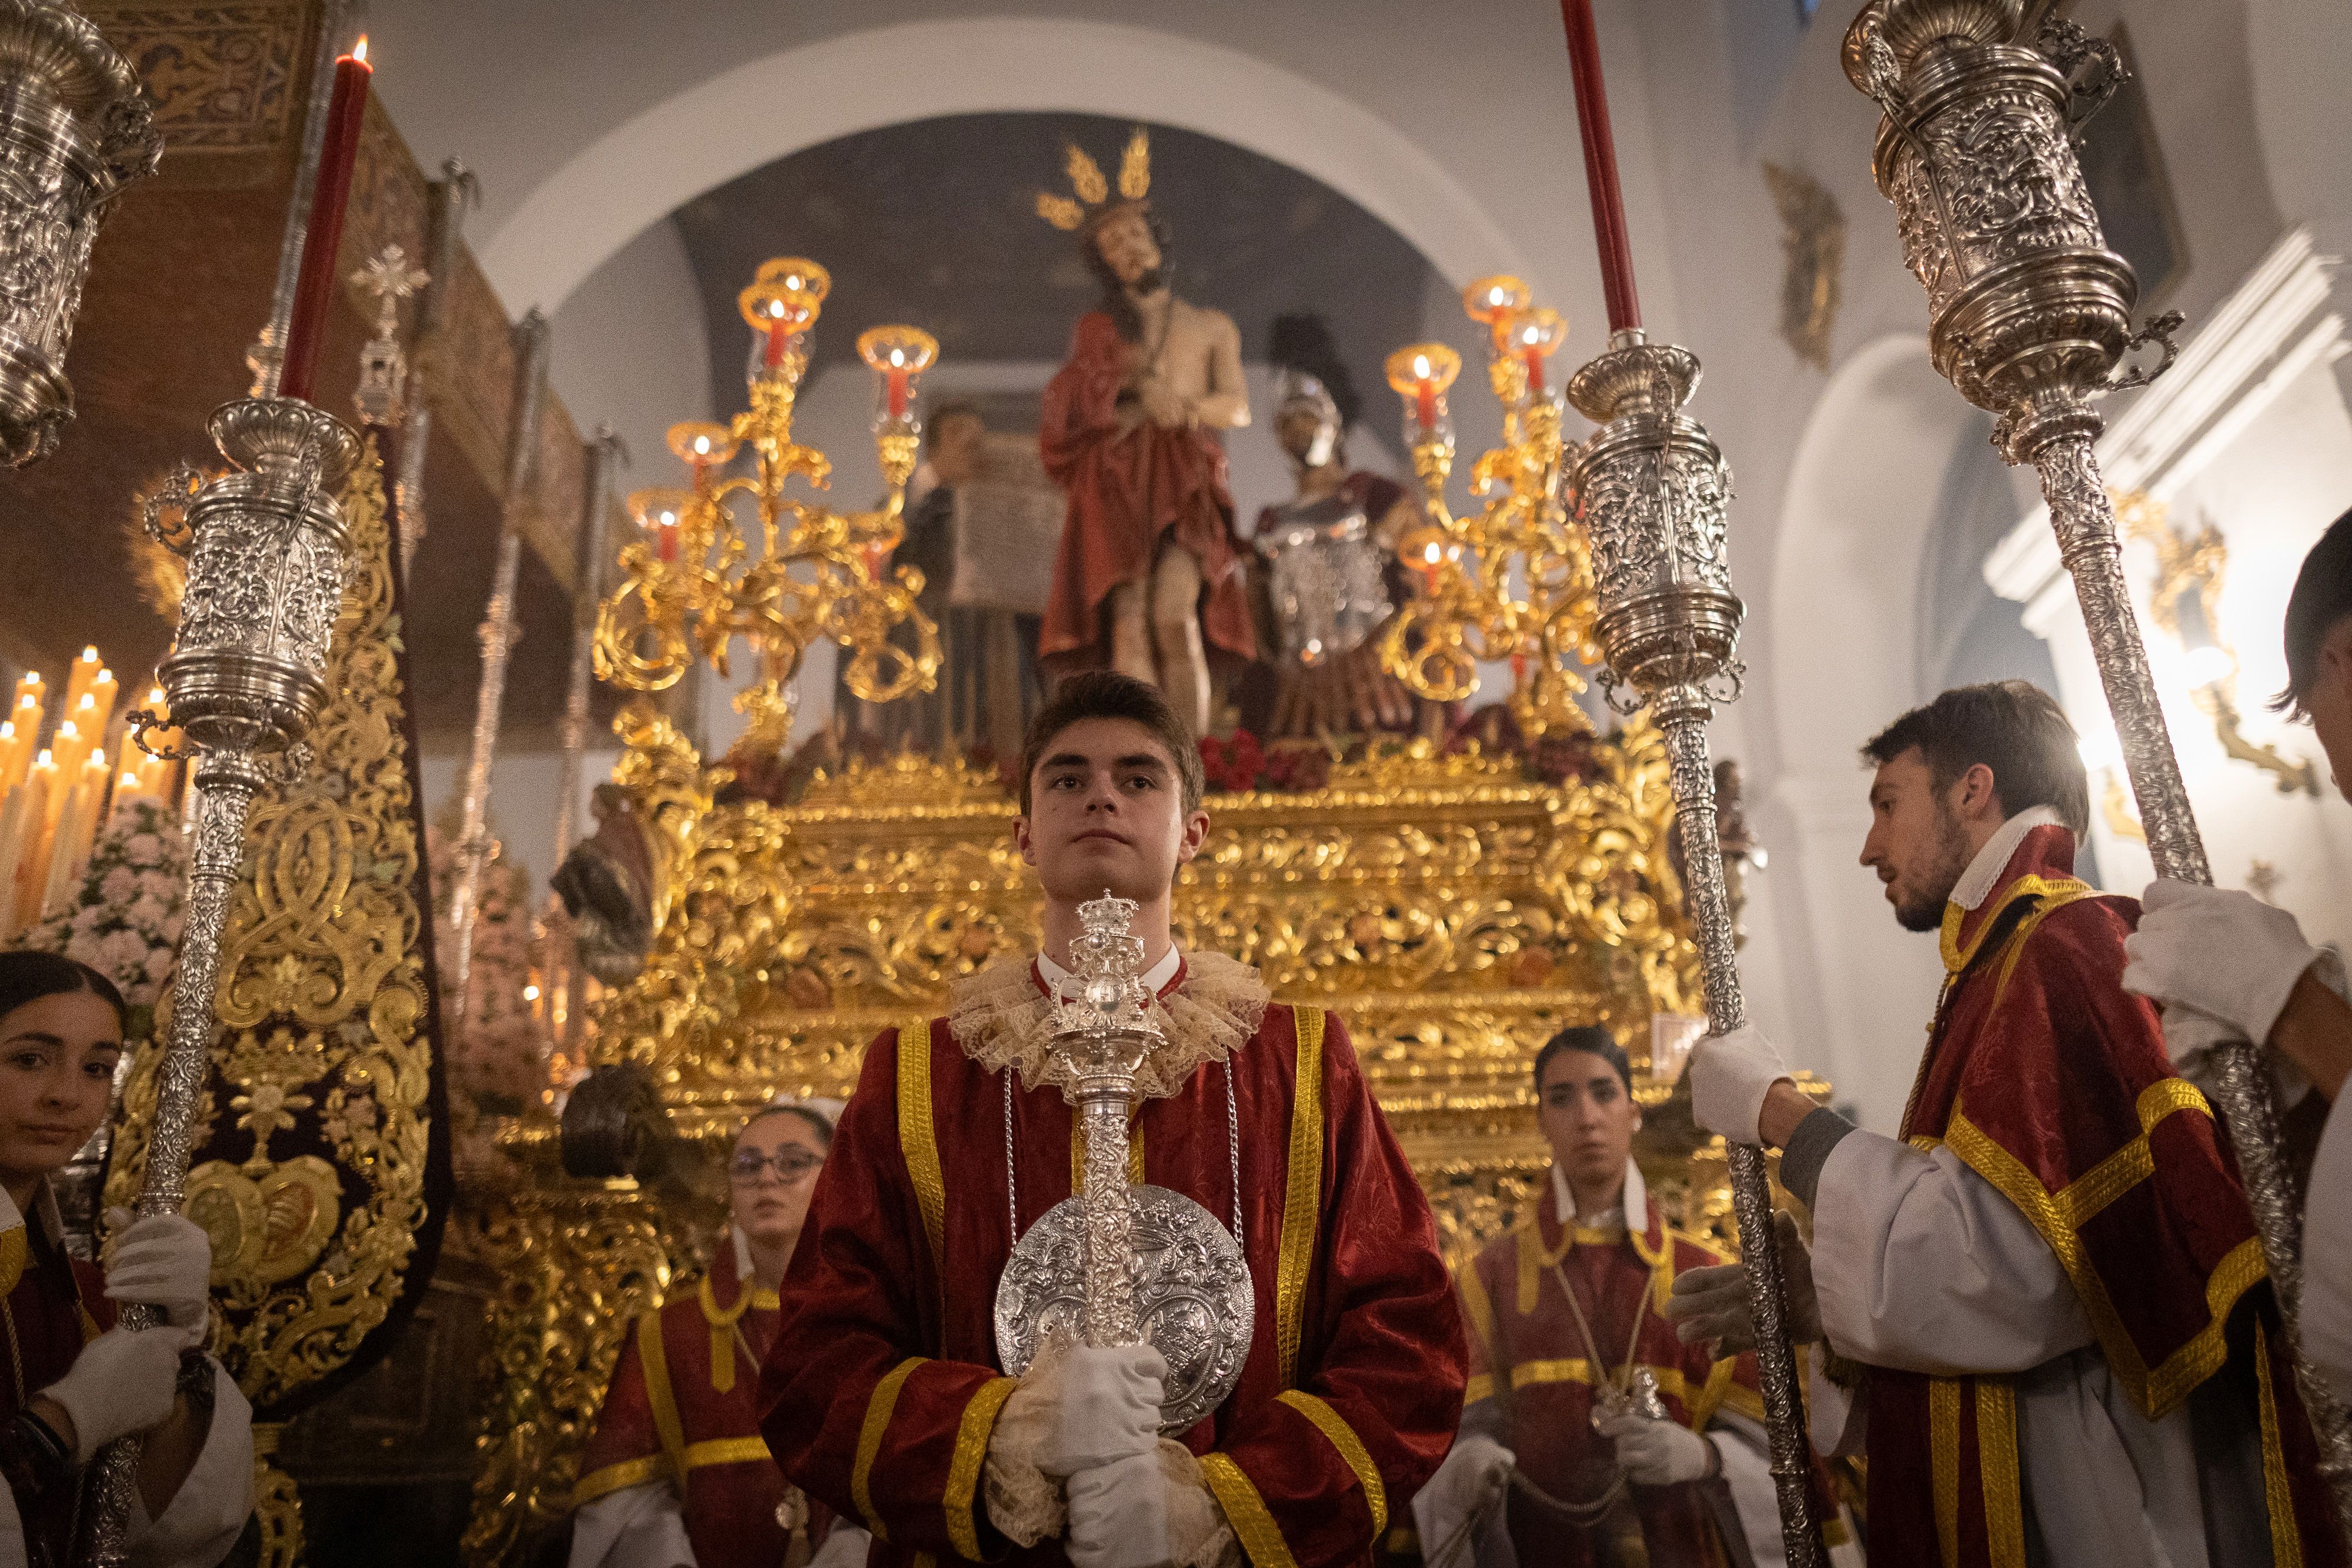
column 666, row 539
column 775, row 354
column 314, row 287
column 1424, row 404
column 897, row 379
column 1535, row 372
column 1601, row 167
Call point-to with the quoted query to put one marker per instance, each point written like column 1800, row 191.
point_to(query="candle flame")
column 1432, row 554
column 45, row 759
column 359, row 50
column 90, row 654
column 1531, row 335
column 898, row 356
column 1421, row 366
column 88, row 702
column 98, row 761
column 66, row 731
column 530, row 993
column 702, row 443
column 130, row 780
column 776, row 308
column 7, row 730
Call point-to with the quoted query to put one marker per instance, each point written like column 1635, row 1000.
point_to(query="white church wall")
column 2251, row 431
column 629, row 349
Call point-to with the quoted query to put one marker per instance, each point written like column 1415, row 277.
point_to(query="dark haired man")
column 1147, row 580
column 2225, row 964
column 2051, row 1277
column 953, row 1145
column 1564, row 1324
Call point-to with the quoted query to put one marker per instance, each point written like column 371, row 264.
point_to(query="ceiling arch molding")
column 772, row 107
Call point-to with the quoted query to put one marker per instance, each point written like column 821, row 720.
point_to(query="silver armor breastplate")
column 1324, row 578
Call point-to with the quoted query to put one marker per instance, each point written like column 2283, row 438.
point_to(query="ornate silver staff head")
column 74, row 127
column 2030, row 311
column 1103, row 1027
column 1655, row 496
column 265, row 546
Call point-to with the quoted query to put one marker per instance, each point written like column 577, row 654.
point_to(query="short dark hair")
column 954, row 408
column 2321, row 601
column 1107, row 694
column 28, row 976
column 2013, row 728
column 1590, row 1039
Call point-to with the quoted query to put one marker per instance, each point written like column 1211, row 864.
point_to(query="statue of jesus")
column 1147, row 580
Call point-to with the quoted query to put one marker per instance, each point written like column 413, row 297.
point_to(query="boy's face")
column 1106, row 810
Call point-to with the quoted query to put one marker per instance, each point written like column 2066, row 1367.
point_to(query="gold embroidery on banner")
column 1330, row 1422
column 2158, row 1392
column 1302, row 1201
column 885, row 1399
column 2286, row 1537
column 1246, row 1511
column 2004, row 1503
column 654, row 1362
column 963, row 1470
column 918, row 1140
column 1944, row 1456
column 616, row 1478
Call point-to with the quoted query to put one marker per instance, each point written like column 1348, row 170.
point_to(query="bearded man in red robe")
column 2049, row 1282
column 954, row 1145
column 1147, row 580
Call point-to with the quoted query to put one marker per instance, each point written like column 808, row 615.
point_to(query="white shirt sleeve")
column 204, row 1517
column 2328, row 1250
column 1922, row 1265
column 641, row 1526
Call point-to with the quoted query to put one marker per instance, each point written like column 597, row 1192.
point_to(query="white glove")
column 1657, row 1453
column 1147, row 1511
column 2224, row 952
column 1090, row 1406
column 121, row 1383
column 1711, row 1303
column 162, row 1261
column 1730, row 1076
column 1466, row 1486
column 846, row 1546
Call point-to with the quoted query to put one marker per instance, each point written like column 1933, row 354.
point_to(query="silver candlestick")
column 2029, row 317
column 1123, row 1263
column 265, row 546
column 1656, row 493
column 74, row 127
column 499, row 633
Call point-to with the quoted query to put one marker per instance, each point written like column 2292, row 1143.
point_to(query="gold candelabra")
column 692, row 580
column 1512, row 580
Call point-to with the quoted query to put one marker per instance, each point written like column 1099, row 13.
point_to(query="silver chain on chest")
column 1233, row 1158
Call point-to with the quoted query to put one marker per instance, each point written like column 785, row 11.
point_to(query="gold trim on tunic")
column 878, row 1408
column 1330, row 1422
column 1246, row 1511
column 1302, row 1199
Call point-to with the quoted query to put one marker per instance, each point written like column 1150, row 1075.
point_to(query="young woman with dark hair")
column 78, row 1382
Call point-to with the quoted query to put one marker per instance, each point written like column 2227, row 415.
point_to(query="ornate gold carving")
column 277, row 1505
column 581, row 1262
column 312, row 1185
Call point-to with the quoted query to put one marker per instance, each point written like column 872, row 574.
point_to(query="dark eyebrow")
column 1150, row 759
column 1067, row 759
column 36, row 1036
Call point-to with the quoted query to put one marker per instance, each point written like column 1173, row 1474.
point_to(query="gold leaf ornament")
column 1086, row 174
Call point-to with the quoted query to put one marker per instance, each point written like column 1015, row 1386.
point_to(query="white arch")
column 1861, row 502
column 770, row 108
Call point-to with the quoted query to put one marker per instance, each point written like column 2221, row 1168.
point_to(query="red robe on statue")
column 1127, row 490
column 2050, row 1080
column 681, row 1412
column 1528, row 1355
column 1348, row 1397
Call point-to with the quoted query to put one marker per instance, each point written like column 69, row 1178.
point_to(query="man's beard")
column 1149, row 284
column 1951, row 863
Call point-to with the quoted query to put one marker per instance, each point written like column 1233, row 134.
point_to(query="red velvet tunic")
column 1526, row 1351
column 55, row 1303
column 2050, row 1080
column 681, row 1410
column 1353, row 1384
column 1125, row 492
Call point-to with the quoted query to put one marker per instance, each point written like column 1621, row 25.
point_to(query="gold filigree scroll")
column 582, row 1261
column 321, row 1179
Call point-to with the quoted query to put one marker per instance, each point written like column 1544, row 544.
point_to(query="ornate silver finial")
column 384, row 367
column 1105, row 988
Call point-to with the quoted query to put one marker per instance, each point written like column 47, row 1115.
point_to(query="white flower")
column 158, row 965
column 124, row 954
column 160, row 885
column 148, row 914
column 143, row 849
column 86, row 919
column 120, row 886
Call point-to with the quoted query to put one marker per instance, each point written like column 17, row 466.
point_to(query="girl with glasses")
column 677, row 1475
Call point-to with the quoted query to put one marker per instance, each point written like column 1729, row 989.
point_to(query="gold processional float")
column 1459, row 907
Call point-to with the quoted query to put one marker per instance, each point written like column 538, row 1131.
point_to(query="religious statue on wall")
column 1330, row 571
column 1147, row 580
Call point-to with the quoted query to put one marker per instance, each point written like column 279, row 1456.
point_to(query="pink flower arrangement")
column 125, row 920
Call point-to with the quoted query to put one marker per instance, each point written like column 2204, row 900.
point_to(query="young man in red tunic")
column 1147, row 580
column 2051, row 1278
column 1579, row 1285
column 953, row 1145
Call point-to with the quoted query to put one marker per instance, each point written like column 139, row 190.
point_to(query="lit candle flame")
column 359, row 50
column 898, row 356
column 1421, row 366
column 1432, row 554
column 776, row 308
column 702, row 443
column 45, row 759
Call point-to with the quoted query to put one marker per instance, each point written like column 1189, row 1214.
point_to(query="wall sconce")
column 2185, row 605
